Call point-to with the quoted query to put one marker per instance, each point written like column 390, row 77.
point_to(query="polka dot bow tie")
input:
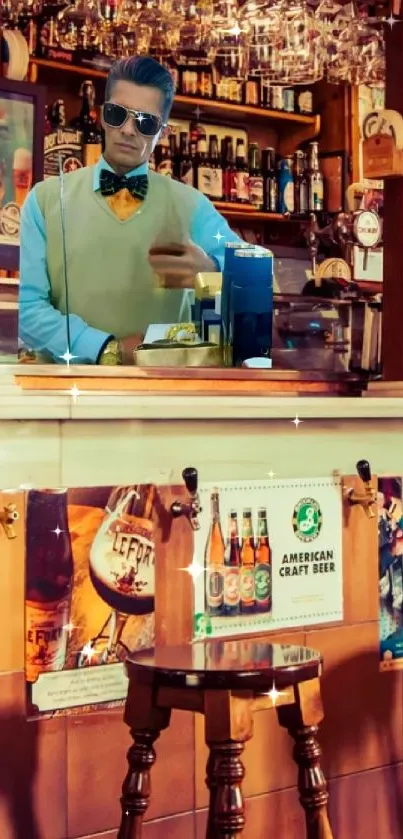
column 110, row 184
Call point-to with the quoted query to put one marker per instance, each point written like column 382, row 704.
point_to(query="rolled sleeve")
column 211, row 232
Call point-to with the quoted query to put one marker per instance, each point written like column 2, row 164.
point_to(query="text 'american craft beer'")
column 49, row 579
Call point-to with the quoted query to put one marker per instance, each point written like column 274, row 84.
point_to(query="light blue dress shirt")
column 41, row 326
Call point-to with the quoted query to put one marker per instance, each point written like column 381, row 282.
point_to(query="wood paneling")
column 12, row 590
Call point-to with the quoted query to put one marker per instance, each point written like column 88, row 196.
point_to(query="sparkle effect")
column 274, row 694
column 391, row 20
column 194, row 569
column 88, row 651
column 271, row 474
column 69, row 627
column 57, row 531
column 74, row 392
column 140, row 118
column 197, row 112
column 68, row 357
column 296, row 421
column 218, row 236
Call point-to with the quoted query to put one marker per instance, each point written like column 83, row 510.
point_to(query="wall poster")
column 272, row 556
column 390, row 545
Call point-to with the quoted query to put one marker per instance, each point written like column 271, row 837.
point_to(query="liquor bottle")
column 270, row 186
column 203, row 169
column 49, row 579
column 255, row 177
column 86, row 122
column 285, row 180
column 216, row 173
column 252, row 92
column 247, row 582
column 174, row 155
column 165, row 162
column 242, row 173
column 300, row 183
column 232, row 568
column 57, row 114
column 315, row 180
column 186, row 174
column 230, row 173
column 214, row 561
column 263, row 576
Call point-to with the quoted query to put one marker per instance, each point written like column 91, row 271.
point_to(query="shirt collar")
column 102, row 164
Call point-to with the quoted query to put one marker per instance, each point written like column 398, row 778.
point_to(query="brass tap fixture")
column 8, row 516
column 191, row 509
column 366, row 498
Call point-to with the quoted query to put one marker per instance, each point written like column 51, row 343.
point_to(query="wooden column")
column 392, row 332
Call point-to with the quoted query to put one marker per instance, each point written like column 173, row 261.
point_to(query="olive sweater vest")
column 110, row 283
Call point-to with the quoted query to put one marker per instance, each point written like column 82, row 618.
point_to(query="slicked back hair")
column 142, row 71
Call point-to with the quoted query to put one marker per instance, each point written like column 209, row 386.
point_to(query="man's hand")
column 128, row 346
column 179, row 271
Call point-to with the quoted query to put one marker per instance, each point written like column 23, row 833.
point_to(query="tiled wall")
column 61, row 779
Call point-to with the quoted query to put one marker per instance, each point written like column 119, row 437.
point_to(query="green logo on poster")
column 307, row 519
column 202, row 625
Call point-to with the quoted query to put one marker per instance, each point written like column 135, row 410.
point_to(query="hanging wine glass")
column 231, row 61
column 78, row 25
column 368, row 64
column 196, row 41
column 263, row 23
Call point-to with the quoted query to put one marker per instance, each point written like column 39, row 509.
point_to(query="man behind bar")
column 116, row 213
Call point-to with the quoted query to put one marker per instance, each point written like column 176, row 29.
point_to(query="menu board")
column 269, row 556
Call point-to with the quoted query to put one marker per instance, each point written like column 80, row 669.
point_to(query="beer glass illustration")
column 122, row 566
column 22, row 175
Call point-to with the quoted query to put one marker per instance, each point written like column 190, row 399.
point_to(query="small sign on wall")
column 271, row 556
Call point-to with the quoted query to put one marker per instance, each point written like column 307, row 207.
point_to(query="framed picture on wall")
column 22, row 108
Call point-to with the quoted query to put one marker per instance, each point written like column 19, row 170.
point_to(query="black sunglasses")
column 147, row 124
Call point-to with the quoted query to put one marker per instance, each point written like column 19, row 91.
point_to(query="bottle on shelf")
column 242, row 173
column 285, row 182
column 214, row 561
column 203, row 168
column 270, row 186
column 230, row 173
column 164, row 158
column 300, row 183
column 255, row 177
column 253, row 92
column 304, row 102
column 315, row 180
column 216, row 172
column 174, row 155
column 57, row 114
column 185, row 160
column 263, row 575
column 232, row 568
column 86, row 122
column 247, row 581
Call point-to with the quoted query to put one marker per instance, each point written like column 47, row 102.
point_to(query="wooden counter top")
column 46, row 393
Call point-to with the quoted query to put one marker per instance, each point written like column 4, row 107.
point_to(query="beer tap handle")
column 364, row 471
column 366, row 499
column 191, row 479
column 8, row 517
column 192, row 508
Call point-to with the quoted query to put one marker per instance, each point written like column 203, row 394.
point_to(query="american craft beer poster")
column 89, row 592
column 271, row 555
column 390, row 548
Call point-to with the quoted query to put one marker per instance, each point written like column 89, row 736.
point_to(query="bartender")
column 134, row 239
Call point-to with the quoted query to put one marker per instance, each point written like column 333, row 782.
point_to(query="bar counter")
column 55, row 437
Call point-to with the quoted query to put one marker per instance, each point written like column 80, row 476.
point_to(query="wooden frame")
column 342, row 155
column 35, row 95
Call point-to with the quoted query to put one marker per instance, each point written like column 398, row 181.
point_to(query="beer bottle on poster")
column 214, row 561
column 232, row 568
column 263, row 575
column 49, row 581
column 247, row 582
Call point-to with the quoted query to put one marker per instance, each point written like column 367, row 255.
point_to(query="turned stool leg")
column 302, row 722
column 229, row 724
column 146, row 722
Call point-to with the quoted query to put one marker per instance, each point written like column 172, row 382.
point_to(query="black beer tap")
column 191, row 509
column 366, row 499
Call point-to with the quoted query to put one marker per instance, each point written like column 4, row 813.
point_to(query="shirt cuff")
column 90, row 344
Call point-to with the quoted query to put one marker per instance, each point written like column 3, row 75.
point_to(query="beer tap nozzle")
column 8, row 516
column 191, row 509
column 367, row 498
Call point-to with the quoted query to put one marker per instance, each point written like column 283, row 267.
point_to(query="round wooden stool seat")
column 233, row 665
column 228, row 682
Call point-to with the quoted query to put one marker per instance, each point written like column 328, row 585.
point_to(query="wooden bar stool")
column 227, row 681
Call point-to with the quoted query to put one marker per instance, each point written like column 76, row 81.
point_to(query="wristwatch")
column 112, row 354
